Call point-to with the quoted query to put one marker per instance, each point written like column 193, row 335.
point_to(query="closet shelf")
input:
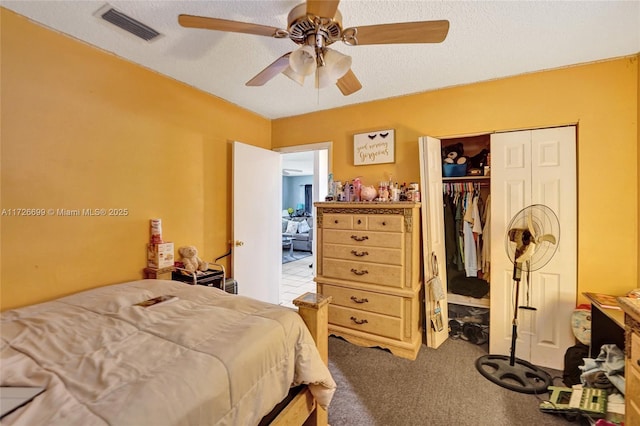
column 466, row 179
column 468, row 301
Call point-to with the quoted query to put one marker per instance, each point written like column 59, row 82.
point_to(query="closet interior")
column 466, row 201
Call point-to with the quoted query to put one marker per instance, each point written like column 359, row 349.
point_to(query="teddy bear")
column 454, row 154
column 190, row 259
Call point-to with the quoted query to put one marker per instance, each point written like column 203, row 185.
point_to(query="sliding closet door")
column 534, row 167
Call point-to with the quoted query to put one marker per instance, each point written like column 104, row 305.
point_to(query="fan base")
column 522, row 376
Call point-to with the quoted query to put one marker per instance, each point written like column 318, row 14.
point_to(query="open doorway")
column 304, row 181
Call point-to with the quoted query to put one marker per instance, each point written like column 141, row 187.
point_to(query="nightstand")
column 158, row 274
column 211, row 278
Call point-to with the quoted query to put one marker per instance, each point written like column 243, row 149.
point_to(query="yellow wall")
column 84, row 129
column 602, row 98
column 81, row 128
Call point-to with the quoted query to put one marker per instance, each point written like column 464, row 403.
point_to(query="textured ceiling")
column 486, row 40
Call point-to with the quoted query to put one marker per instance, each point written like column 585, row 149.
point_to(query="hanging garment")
column 477, row 231
column 450, row 231
column 459, row 233
column 486, row 240
column 470, row 252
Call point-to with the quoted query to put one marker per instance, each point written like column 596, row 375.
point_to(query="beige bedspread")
column 208, row 358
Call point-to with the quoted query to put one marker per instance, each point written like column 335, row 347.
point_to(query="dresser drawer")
column 363, row 238
column 364, row 300
column 360, row 222
column 337, row 221
column 387, row 275
column 386, row 223
column 632, row 389
column 364, row 254
column 367, row 322
column 364, row 222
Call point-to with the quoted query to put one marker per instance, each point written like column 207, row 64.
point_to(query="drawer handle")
column 384, row 223
column 363, row 300
column 355, row 271
column 335, row 221
column 359, row 254
column 638, row 362
column 357, row 321
column 355, row 237
column 359, row 221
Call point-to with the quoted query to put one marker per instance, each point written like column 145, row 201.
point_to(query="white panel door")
column 433, row 239
column 534, row 167
column 510, row 193
column 553, row 157
column 257, row 195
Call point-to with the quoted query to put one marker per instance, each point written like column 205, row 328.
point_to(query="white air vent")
column 127, row 23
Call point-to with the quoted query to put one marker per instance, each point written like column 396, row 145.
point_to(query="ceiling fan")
column 314, row 26
column 288, row 172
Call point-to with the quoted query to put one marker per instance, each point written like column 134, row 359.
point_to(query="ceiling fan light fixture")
column 298, row 78
column 303, row 61
column 336, row 65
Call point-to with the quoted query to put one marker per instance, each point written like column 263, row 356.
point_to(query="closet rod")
column 475, row 184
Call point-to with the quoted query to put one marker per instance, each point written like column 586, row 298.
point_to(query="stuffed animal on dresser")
column 190, row 259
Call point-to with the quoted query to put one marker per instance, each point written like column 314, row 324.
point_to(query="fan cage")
column 544, row 221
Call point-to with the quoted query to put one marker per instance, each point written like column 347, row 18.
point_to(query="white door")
column 433, row 241
column 534, row 167
column 257, row 248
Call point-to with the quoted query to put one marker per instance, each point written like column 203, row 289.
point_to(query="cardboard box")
column 160, row 255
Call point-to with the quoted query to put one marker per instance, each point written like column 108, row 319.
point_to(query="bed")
column 206, row 358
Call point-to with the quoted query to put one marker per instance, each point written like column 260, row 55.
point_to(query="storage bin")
column 454, row 170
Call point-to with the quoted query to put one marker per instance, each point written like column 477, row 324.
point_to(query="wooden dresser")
column 369, row 263
column 631, row 309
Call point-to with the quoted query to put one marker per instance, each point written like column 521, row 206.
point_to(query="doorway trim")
column 321, row 167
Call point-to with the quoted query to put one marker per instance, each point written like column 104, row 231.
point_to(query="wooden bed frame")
column 303, row 409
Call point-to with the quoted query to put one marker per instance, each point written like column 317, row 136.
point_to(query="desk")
column 631, row 308
column 607, row 326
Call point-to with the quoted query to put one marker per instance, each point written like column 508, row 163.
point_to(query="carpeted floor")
column 297, row 255
column 441, row 387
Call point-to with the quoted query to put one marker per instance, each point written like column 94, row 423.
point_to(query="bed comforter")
column 209, row 358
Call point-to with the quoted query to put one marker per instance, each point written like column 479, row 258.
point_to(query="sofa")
column 302, row 237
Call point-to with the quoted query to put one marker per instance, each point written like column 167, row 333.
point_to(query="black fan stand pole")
column 508, row 371
column 514, row 323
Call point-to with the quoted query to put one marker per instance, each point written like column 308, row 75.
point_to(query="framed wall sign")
column 374, row 147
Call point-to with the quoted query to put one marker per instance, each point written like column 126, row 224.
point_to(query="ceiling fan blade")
column 191, row 21
column 404, row 32
column 532, row 229
column 275, row 68
column 349, row 83
column 290, row 171
column 322, row 8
